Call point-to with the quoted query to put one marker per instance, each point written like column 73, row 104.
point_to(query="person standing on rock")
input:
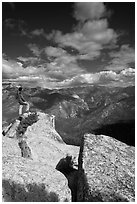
column 21, row 101
column 53, row 121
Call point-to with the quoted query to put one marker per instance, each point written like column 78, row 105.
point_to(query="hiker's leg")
column 53, row 121
column 27, row 106
column 20, row 109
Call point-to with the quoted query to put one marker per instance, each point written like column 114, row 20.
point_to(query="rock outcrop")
column 106, row 170
column 34, row 178
column 38, row 166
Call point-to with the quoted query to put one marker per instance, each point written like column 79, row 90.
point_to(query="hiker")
column 53, row 120
column 21, row 101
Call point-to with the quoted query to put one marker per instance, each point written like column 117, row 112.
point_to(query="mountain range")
column 87, row 108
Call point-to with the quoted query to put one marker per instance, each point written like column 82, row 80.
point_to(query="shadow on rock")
column 122, row 131
column 68, row 167
column 13, row 192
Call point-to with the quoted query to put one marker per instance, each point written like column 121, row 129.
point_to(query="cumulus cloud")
column 126, row 53
column 94, row 78
column 89, row 40
column 31, row 61
column 61, row 56
column 34, row 49
column 32, row 76
column 105, row 78
column 92, row 33
column 25, row 59
column 59, row 69
column 54, row 51
column 13, row 69
column 37, row 32
column 89, row 10
column 90, row 36
column 121, row 59
column 55, row 76
column 60, row 63
column 98, row 31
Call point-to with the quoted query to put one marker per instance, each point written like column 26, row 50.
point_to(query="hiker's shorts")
column 23, row 103
column 21, row 107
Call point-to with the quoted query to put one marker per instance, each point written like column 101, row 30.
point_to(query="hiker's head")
column 20, row 88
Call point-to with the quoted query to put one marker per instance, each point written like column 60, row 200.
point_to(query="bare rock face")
column 27, row 181
column 33, row 177
column 106, row 170
column 43, row 128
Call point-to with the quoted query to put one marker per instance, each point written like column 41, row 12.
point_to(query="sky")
column 62, row 44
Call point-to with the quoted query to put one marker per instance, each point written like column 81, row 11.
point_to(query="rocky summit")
column 34, row 178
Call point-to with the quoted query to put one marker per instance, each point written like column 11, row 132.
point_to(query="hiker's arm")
column 22, row 98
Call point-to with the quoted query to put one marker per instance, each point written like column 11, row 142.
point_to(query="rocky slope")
column 106, row 170
column 34, row 178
